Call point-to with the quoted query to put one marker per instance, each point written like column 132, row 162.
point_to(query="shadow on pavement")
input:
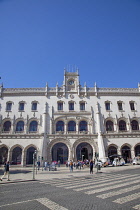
column 16, row 171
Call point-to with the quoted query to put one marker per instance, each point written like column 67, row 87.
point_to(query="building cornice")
column 20, row 136
column 69, row 136
column 52, row 91
column 122, row 135
column 71, row 113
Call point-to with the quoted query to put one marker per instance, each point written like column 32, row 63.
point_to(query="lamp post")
column 34, row 159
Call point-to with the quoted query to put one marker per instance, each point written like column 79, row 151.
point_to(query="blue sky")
column 38, row 38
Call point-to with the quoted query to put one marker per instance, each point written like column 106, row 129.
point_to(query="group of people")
column 79, row 165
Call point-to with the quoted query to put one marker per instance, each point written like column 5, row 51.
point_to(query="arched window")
column 83, row 126
column 60, row 105
column 122, row 125
column 60, row 126
column 7, row 126
column 33, row 126
column 71, row 126
column 20, row 126
column 134, row 125
column 109, row 126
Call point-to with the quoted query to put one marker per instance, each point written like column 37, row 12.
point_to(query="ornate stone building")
column 68, row 122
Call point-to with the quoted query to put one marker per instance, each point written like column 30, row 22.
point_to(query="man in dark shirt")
column 6, row 171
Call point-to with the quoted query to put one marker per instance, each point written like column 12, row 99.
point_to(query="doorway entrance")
column 60, row 153
column 84, row 151
column 126, row 154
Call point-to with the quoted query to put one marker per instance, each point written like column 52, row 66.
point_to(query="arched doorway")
column 137, row 150
column 112, row 151
column 16, row 156
column 3, row 154
column 29, row 155
column 126, row 153
column 60, row 152
column 84, row 151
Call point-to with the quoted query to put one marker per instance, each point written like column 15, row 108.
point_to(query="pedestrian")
column 38, row 165
column 6, row 171
column 45, row 165
column 91, row 167
column 79, row 164
column 58, row 163
column 71, row 166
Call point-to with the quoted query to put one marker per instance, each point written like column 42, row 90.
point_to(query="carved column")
column 9, row 156
column 129, row 124
column 100, row 137
column 51, row 126
column 65, row 127
column 77, row 127
column 119, row 151
column 22, row 158
column 89, row 127
column 116, row 125
column 132, row 153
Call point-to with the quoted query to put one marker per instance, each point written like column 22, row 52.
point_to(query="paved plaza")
column 112, row 188
column 18, row 174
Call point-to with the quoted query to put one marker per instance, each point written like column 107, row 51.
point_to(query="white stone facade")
column 68, row 122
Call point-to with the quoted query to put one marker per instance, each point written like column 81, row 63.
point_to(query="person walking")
column 71, row 166
column 91, row 167
column 38, row 165
column 6, row 171
column 45, row 165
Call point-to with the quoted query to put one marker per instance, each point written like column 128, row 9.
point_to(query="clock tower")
column 71, row 80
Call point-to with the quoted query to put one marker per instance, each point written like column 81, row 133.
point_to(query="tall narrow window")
column 120, row 107
column 60, row 126
column 71, row 126
column 34, row 106
column 9, row 106
column 83, row 126
column 21, row 106
column 109, row 126
column 82, row 106
column 33, row 126
column 107, row 106
column 60, row 105
column 20, row 126
column 71, row 106
column 134, row 125
column 122, row 125
column 132, row 106
column 7, row 126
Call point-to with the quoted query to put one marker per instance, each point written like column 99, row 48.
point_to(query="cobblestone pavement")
column 116, row 188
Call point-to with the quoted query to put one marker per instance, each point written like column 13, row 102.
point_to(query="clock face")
column 71, row 82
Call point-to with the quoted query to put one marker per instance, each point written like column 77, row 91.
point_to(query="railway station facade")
column 69, row 122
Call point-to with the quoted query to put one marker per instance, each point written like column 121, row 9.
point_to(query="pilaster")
column 101, row 148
